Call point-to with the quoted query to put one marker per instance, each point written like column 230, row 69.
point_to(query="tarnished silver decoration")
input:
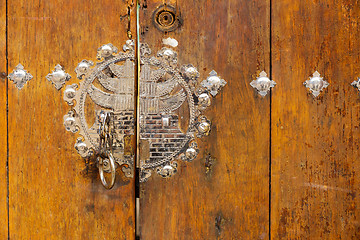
column 109, row 87
column 191, row 152
column 316, row 84
column 20, row 76
column 69, row 122
column 263, row 84
column 69, row 93
column 168, row 170
column 106, row 51
column 204, row 101
column 164, row 88
column 58, row 77
column 356, row 84
column 213, row 83
column 203, row 126
column 82, row 68
column 82, row 148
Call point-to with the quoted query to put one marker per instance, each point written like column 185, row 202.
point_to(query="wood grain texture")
column 3, row 125
column 315, row 142
column 53, row 193
column 231, row 201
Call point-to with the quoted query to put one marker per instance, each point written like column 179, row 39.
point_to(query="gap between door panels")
column 7, row 120
column 270, row 112
column 137, row 123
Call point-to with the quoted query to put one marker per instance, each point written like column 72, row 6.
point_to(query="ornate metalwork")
column 263, row 84
column 164, row 90
column 107, row 87
column 58, row 77
column 20, row 76
column 356, row 84
column 316, row 84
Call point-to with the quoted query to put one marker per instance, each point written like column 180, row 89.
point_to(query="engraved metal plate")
column 316, row 84
column 263, row 84
column 107, row 87
column 165, row 91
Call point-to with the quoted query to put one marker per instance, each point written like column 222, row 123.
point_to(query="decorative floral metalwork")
column 263, row 84
column 356, row 84
column 164, row 88
column 316, row 84
column 167, row 170
column 20, row 76
column 213, row 83
column 58, row 77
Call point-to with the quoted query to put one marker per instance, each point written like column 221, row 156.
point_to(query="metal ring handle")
column 112, row 171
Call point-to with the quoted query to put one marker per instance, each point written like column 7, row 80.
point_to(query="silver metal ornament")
column 58, row 77
column 316, row 84
column 164, row 88
column 20, row 76
column 263, row 84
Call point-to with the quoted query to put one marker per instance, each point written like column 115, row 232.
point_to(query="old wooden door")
column 280, row 166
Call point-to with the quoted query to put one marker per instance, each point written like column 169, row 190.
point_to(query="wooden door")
column 52, row 192
column 282, row 166
column 224, row 193
column 315, row 141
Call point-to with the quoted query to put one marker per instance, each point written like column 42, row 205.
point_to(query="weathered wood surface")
column 231, row 199
column 3, row 125
column 52, row 196
column 315, row 142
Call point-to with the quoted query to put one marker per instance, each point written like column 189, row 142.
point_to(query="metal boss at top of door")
column 107, row 93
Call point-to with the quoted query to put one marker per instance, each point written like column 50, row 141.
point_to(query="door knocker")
column 107, row 91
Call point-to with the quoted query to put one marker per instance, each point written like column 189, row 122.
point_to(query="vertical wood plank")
column 3, row 125
column 315, row 141
column 230, row 200
column 53, row 195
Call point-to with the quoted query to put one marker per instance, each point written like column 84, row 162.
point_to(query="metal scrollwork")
column 165, row 89
column 105, row 89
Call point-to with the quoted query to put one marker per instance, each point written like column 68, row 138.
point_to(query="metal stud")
column 263, row 84
column 356, row 84
column 58, row 77
column 213, row 83
column 316, row 84
column 20, row 76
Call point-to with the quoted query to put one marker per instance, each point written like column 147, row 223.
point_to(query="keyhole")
column 166, row 18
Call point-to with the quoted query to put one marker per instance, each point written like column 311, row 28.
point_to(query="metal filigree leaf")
column 58, row 77
column 316, row 84
column 263, row 84
column 20, row 76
